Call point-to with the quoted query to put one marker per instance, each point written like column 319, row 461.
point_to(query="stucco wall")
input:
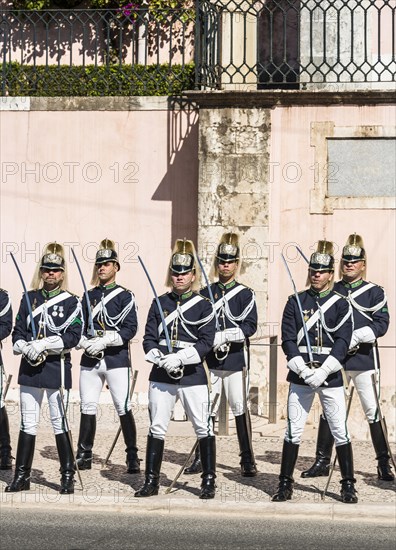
column 78, row 176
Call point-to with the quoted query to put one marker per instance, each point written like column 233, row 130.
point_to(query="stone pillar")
column 233, row 196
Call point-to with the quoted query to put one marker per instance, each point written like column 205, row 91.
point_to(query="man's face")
column 181, row 282
column 107, row 272
column 227, row 270
column 352, row 271
column 320, row 280
column 52, row 278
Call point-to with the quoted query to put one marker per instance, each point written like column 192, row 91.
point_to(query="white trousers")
column 92, row 380
column 2, row 380
column 364, row 386
column 195, row 401
column 232, row 382
column 31, row 400
column 299, row 404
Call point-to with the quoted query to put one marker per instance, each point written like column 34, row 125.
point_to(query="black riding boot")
column 289, row 458
column 384, row 469
column 324, row 447
column 5, row 441
column 154, row 452
column 248, row 465
column 85, row 441
column 196, row 465
column 128, row 427
column 345, row 460
column 207, row 447
column 23, row 464
column 66, row 460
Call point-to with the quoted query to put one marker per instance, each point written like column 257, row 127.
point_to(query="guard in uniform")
column 179, row 373
column 106, row 356
column 5, row 330
column 236, row 313
column 315, row 367
column 371, row 321
column 45, row 365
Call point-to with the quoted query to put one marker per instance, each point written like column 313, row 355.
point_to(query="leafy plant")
column 91, row 80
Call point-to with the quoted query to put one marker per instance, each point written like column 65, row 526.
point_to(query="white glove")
column 95, row 345
column 112, row 338
column 37, row 347
column 234, row 335
column 154, row 356
column 297, row 365
column 219, row 340
column 362, row 335
column 171, row 363
column 189, row 356
column 20, row 347
column 83, row 343
column 316, row 378
column 319, row 375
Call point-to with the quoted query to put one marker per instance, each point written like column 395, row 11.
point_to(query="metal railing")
column 211, row 44
column 296, row 44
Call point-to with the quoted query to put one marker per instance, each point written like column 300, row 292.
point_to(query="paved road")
column 72, row 530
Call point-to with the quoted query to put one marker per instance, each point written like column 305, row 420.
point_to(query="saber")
column 164, row 325
column 29, row 305
column 335, row 458
column 310, row 355
column 91, row 329
column 135, row 375
column 211, row 297
column 382, row 418
column 41, row 358
column 218, row 329
column 302, row 254
column 179, row 473
column 7, row 385
column 67, row 426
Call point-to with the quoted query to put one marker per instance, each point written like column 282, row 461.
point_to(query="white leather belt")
column 315, row 349
column 177, row 344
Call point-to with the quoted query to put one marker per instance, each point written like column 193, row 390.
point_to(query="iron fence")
column 209, row 44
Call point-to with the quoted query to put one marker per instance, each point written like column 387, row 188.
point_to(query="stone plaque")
column 361, row 167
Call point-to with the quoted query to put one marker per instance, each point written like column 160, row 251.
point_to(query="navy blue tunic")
column 200, row 334
column 378, row 321
column 235, row 360
column 126, row 326
column 6, row 317
column 292, row 324
column 48, row 374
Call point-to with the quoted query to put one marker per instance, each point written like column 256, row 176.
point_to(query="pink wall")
column 292, row 158
column 130, row 176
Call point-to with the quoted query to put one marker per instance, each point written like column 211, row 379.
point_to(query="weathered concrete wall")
column 233, row 196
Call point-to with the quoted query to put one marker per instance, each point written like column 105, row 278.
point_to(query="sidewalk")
column 112, row 488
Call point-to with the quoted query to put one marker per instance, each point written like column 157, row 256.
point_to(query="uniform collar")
column 181, row 297
column 108, row 287
column 351, row 285
column 50, row 293
column 315, row 294
column 227, row 286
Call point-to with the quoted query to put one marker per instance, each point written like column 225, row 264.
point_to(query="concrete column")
column 233, row 196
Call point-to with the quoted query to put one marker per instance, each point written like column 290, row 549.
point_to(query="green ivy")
column 112, row 80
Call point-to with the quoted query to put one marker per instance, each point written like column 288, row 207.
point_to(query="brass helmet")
column 52, row 257
column 227, row 250
column 106, row 253
column 352, row 252
column 323, row 258
column 183, row 260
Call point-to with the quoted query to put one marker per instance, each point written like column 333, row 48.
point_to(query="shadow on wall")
column 180, row 183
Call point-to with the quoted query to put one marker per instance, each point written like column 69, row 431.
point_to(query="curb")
column 165, row 505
